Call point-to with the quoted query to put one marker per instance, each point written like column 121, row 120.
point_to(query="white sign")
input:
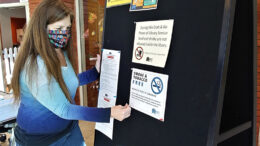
column 108, row 87
column 148, row 92
column 152, row 42
column 23, row 1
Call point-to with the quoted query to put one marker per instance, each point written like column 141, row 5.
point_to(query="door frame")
column 83, row 95
column 1, row 41
column 2, row 85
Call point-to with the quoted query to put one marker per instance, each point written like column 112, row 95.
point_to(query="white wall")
column 5, row 22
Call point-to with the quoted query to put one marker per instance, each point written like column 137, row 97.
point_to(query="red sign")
column 110, row 57
column 139, row 53
column 106, row 99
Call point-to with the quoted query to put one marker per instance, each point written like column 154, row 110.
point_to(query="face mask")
column 59, row 38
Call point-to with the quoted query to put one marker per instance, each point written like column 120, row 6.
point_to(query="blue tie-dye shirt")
column 44, row 108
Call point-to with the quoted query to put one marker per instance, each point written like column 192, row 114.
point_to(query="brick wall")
column 70, row 3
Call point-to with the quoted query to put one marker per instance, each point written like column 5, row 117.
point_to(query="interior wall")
column 5, row 22
column 9, row 1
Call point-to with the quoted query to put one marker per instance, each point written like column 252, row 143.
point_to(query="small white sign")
column 108, row 87
column 152, row 42
column 148, row 93
column 21, row 1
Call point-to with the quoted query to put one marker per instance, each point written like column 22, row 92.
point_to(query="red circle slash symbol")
column 139, row 53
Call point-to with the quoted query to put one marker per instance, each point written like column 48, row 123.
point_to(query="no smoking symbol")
column 157, row 85
column 139, row 53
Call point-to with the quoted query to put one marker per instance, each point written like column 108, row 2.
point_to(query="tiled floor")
column 87, row 130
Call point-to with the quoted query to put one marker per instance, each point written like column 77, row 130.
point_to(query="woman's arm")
column 88, row 76
column 50, row 95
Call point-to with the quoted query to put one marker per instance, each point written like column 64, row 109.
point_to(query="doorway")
column 13, row 18
column 93, row 19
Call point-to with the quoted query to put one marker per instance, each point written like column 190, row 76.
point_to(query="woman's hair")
column 36, row 42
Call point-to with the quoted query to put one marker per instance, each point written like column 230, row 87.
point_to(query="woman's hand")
column 120, row 112
column 98, row 63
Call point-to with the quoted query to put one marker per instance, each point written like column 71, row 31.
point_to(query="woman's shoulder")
column 38, row 70
column 40, row 61
column 30, row 61
column 41, row 67
column 36, row 65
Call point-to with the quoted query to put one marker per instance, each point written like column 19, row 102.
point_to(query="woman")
column 45, row 83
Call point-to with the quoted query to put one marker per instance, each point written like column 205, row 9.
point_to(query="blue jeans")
column 74, row 138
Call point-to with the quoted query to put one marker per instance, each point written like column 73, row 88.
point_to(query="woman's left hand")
column 98, row 63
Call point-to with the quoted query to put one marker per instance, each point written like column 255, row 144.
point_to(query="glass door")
column 93, row 11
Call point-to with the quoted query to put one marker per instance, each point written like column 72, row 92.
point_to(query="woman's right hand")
column 120, row 112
